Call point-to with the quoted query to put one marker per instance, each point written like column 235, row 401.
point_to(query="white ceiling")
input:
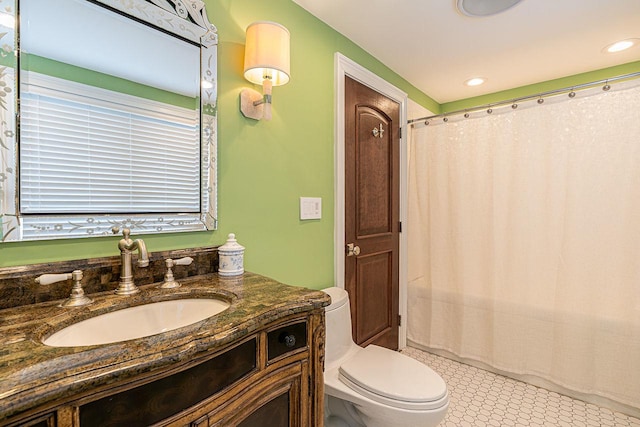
column 436, row 48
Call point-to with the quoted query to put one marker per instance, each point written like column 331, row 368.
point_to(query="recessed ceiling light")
column 484, row 7
column 475, row 81
column 621, row 45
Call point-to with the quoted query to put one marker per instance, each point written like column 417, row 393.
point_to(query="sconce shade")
column 266, row 55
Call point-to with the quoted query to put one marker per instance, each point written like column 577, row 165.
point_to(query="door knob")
column 378, row 133
column 353, row 250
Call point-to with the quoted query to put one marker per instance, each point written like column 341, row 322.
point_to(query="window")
column 88, row 150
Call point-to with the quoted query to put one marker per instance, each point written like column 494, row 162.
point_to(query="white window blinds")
column 84, row 152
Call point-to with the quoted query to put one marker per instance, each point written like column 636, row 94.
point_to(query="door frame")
column 344, row 66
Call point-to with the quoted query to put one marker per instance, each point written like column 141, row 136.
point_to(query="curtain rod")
column 530, row 97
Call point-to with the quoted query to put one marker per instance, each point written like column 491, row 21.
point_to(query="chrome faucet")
column 126, row 246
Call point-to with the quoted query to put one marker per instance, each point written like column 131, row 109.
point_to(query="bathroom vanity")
column 257, row 363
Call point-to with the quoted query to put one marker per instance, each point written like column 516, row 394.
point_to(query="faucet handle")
column 47, row 279
column 169, row 280
column 182, row 261
column 77, row 297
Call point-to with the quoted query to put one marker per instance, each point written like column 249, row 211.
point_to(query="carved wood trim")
column 317, row 321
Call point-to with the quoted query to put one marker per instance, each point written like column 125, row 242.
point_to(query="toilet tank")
column 338, row 320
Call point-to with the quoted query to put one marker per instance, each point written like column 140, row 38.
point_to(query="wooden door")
column 372, row 204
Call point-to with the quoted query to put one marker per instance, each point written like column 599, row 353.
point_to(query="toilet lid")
column 394, row 379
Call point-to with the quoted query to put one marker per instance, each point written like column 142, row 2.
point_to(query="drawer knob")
column 288, row 339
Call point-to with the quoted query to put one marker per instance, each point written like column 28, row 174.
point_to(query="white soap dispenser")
column 231, row 257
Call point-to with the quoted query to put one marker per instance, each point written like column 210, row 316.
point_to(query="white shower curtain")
column 525, row 242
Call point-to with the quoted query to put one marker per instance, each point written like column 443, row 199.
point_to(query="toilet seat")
column 339, row 297
column 393, row 379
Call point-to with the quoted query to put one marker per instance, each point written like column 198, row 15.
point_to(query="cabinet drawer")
column 150, row 403
column 286, row 339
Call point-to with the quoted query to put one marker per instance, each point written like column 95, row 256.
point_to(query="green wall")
column 264, row 167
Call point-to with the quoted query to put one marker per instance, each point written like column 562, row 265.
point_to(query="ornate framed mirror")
column 108, row 118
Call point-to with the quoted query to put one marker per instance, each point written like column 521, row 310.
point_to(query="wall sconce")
column 266, row 62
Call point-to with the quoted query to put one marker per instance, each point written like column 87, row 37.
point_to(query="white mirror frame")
column 184, row 18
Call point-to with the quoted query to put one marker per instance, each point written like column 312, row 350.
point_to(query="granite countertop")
column 32, row 374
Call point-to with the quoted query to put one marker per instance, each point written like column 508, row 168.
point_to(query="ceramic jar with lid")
column 231, row 257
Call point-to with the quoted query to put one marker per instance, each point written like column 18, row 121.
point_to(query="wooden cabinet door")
column 275, row 401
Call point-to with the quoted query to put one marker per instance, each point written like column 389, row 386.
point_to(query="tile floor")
column 481, row 399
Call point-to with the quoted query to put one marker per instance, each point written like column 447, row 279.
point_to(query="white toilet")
column 375, row 386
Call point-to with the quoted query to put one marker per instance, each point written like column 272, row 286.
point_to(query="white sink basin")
column 136, row 322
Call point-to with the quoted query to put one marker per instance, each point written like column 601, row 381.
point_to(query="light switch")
column 310, row 207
